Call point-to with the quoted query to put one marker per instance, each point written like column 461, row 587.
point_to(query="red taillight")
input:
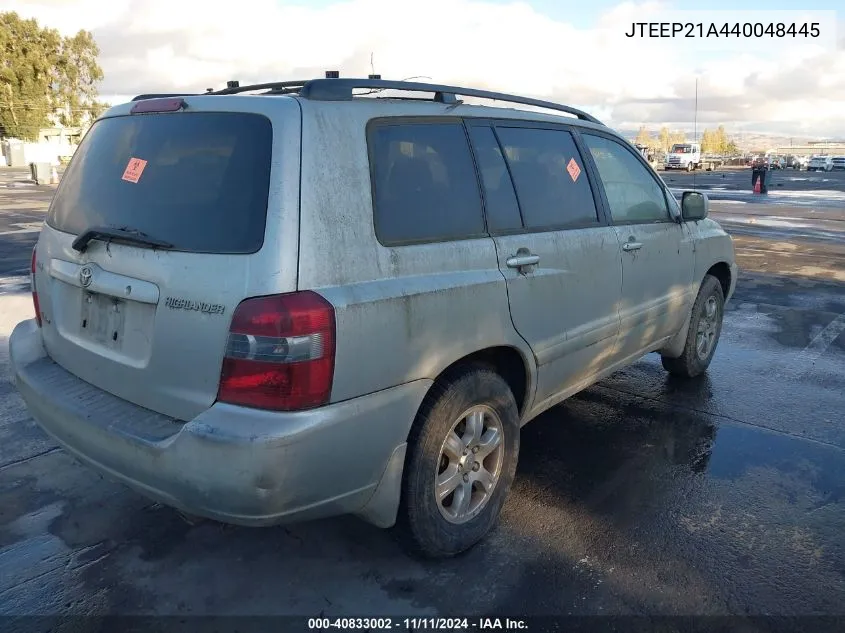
column 32, row 287
column 280, row 353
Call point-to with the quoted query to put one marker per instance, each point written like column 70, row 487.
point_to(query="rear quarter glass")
column 198, row 180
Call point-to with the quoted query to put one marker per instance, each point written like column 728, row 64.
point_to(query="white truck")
column 688, row 156
column 685, row 156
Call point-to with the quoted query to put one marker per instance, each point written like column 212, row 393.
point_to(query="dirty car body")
column 249, row 306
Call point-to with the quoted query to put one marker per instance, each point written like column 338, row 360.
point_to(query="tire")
column 691, row 363
column 435, row 528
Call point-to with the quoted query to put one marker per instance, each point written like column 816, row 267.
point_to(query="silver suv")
column 289, row 301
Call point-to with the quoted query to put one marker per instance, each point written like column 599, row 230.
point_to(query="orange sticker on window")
column 134, row 170
column 573, row 169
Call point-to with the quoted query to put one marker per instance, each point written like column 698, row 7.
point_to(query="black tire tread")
column 688, row 365
column 420, row 533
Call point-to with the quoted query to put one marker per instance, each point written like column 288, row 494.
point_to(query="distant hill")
column 746, row 141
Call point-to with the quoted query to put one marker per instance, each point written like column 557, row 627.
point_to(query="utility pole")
column 695, row 121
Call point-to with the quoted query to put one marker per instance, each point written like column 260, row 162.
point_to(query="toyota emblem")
column 85, row 276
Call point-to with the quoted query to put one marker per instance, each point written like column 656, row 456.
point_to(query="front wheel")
column 705, row 328
column 462, row 456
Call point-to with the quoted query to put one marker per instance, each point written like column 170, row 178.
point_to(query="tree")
column 721, row 140
column 664, row 139
column 643, row 137
column 26, row 66
column 707, row 142
column 43, row 74
column 677, row 137
column 76, row 79
column 718, row 142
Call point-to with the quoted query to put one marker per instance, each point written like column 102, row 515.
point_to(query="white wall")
column 47, row 152
column 43, row 152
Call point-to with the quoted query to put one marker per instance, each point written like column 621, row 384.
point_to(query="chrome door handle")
column 523, row 260
column 632, row 246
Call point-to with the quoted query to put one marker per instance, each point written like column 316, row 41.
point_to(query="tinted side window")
column 549, row 177
column 424, row 183
column 499, row 196
column 633, row 193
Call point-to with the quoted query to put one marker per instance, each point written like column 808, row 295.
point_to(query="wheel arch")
column 722, row 272
column 507, row 361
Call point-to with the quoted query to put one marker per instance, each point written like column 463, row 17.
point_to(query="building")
column 833, row 148
column 55, row 144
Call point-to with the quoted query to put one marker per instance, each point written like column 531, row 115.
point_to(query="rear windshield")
column 199, row 181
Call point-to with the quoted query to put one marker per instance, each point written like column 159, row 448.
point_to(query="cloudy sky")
column 566, row 50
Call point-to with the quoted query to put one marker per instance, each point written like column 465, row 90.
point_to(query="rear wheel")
column 462, row 456
column 704, row 332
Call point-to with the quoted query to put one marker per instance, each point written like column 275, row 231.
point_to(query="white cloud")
column 164, row 45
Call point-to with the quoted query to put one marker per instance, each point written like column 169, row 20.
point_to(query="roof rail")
column 341, row 90
column 162, row 96
column 273, row 85
column 334, row 88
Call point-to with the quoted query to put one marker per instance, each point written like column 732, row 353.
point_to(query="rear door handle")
column 523, row 260
column 632, row 246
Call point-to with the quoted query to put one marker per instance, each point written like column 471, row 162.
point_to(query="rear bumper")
column 232, row 464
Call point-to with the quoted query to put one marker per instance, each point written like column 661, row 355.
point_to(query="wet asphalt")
column 642, row 495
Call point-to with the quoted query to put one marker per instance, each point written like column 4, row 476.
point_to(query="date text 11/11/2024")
column 724, row 30
column 418, row 624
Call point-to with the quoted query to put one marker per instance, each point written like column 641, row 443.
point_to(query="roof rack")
column 341, row 90
column 234, row 88
column 333, row 88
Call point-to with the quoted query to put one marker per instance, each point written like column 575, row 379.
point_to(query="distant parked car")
column 776, row 162
column 820, row 163
column 838, row 163
column 796, row 162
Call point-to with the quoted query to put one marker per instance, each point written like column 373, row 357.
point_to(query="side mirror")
column 694, row 205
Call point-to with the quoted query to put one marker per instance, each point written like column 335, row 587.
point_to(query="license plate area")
column 102, row 319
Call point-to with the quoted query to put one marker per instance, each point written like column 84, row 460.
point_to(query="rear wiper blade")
column 122, row 234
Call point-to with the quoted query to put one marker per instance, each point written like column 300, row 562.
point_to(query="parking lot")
column 641, row 495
